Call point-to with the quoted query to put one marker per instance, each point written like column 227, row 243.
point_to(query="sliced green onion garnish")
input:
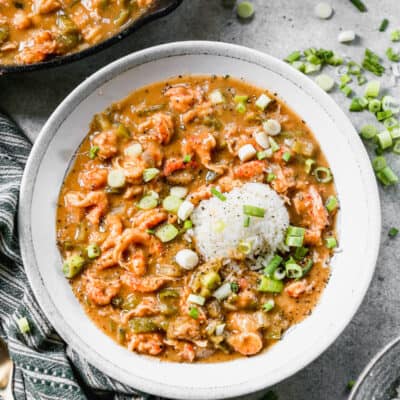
column 244, row 247
column 361, row 79
column 279, row 274
column 245, row 10
column 194, row 298
column 310, row 68
column 295, row 236
column 241, row 108
column 172, row 203
column 392, row 55
column 322, row 174
column 167, row 232
column 385, row 140
column 93, row 152
column 378, row 163
column 395, row 35
column 353, row 68
column 391, row 123
column 254, row 211
column 374, row 105
column 299, row 65
column 300, row 253
column 274, row 145
column 262, row 155
column 325, row 82
column 384, row 24
column 295, row 231
column 393, row 232
column 293, row 270
column 246, row 222
column 93, row 251
column 382, row 115
column 123, row 132
column 147, row 202
column 240, row 99
column 73, row 265
column 286, row 156
column 188, row 224
column 369, row 131
column 270, row 285
column 215, row 192
column 150, row 173
column 116, row 178
column 344, row 79
column 187, row 158
column 347, row 91
column 272, row 265
column 262, row 102
column 268, row 305
column 389, row 103
column 193, row 312
column 309, row 164
column 359, row 5
column 234, row 287
column 358, row 104
column 23, row 325
column 270, row 177
column 372, row 63
column 223, row 291
column 294, row 56
column 372, row 89
column 387, row 177
column 396, row 147
column 330, row 242
column 307, row 267
column 331, row 203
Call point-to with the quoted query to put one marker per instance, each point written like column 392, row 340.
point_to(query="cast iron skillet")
column 159, row 9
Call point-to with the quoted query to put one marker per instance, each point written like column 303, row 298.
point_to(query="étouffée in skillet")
column 32, row 31
column 197, row 222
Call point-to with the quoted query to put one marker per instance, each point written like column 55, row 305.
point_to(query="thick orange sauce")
column 189, row 132
column 35, row 30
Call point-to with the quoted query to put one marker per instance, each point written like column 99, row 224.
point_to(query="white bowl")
column 358, row 225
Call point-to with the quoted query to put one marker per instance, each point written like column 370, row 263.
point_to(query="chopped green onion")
column 216, row 97
column 274, row 145
column 374, row 105
column 344, row 79
column 391, row 123
column 359, row 5
column 215, row 192
column 167, row 232
column 396, row 147
column 234, row 287
column 147, row 202
column 279, row 274
column 382, row 115
column 314, row 59
column 23, row 325
column 369, row 131
column 299, row 65
column 322, row 174
column 395, row 35
column 295, row 236
column 246, row 222
column 172, row 203
column 389, row 103
column 361, row 79
column 353, row 68
column 188, row 224
column 241, row 108
column 187, row 158
column 223, row 291
column 193, row 312
column 311, row 68
column 393, row 232
column 294, row 56
column 270, row 177
column 347, row 91
column 295, row 231
column 395, row 132
column 358, row 104
column 262, row 155
column 178, row 191
column 384, row 24
column 286, row 156
column 262, row 102
column 240, row 99
column 150, row 173
column 330, row 242
column 372, row 89
column 93, row 251
column 385, row 140
column 272, row 265
column 123, row 132
column 308, row 267
column 293, row 270
column 116, row 178
column 210, row 281
column 245, row 247
column 392, row 55
column 309, row 164
column 245, row 10
column 93, row 152
column 194, row 298
column 325, row 82
column 73, row 265
column 254, row 211
column 300, row 253
column 269, row 305
column 371, row 63
column 387, row 177
column 270, row 285
column 331, row 203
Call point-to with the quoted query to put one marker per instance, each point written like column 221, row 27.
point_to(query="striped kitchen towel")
column 45, row 367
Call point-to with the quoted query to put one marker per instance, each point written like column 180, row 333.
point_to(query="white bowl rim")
column 49, row 130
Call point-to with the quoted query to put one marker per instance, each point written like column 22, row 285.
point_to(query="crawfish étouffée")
column 124, row 215
column 32, row 31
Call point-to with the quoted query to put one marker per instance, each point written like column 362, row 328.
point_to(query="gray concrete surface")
column 278, row 28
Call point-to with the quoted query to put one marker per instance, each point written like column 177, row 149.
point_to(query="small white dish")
column 358, row 224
